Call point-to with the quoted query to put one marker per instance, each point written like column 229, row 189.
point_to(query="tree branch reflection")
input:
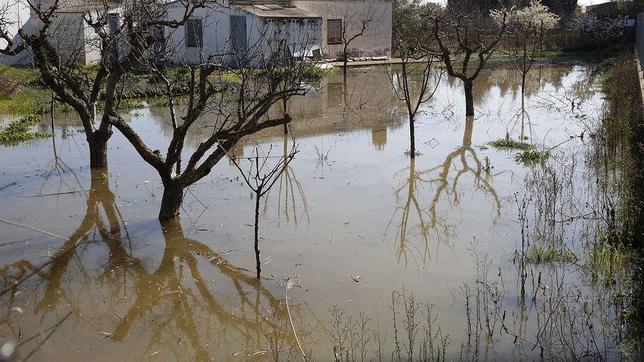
column 194, row 304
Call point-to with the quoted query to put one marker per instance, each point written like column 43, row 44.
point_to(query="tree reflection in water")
column 290, row 194
column 173, row 308
column 411, row 206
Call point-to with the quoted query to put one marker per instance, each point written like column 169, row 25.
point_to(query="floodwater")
column 351, row 223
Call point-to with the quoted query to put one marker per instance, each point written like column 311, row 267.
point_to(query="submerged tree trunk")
column 469, row 98
column 171, row 201
column 98, row 149
column 257, row 261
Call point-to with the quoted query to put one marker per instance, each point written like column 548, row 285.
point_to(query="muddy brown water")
column 352, row 220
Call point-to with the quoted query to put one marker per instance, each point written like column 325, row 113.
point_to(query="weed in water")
column 549, row 255
column 532, row 157
column 508, row 144
column 20, row 131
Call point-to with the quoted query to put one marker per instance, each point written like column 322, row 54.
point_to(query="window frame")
column 337, row 39
column 194, row 33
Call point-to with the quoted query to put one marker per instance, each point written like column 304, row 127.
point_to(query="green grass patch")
column 20, row 130
column 508, row 144
column 532, row 157
column 20, row 75
column 549, row 255
column 26, row 101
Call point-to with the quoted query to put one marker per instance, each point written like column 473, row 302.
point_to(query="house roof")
column 82, row 6
column 273, row 8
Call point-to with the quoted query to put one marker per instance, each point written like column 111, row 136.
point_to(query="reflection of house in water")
column 367, row 102
column 334, row 94
column 379, row 137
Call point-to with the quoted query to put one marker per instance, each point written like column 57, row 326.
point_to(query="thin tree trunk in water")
column 412, row 138
column 171, row 201
column 522, row 116
column 345, row 61
column 257, row 262
column 469, row 98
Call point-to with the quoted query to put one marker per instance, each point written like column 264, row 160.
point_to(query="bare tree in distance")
column 364, row 21
column 90, row 90
column 526, row 28
column 415, row 62
column 260, row 177
column 468, row 38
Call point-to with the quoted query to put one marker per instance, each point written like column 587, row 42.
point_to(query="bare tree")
column 415, row 62
column 260, row 177
column 364, row 21
column 459, row 36
column 123, row 47
column 231, row 101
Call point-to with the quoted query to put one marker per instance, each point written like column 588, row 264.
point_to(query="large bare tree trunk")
column 469, row 98
column 171, row 201
column 98, row 150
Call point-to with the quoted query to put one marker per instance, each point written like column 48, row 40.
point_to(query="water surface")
column 352, row 220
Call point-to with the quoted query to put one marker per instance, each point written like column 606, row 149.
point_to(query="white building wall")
column 378, row 35
column 18, row 14
column 262, row 34
column 299, row 34
column 67, row 36
column 216, row 25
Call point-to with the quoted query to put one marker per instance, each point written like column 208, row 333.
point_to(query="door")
column 239, row 45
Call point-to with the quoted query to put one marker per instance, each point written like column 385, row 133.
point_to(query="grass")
column 532, row 157
column 549, row 255
column 21, row 75
column 508, row 144
column 20, row 130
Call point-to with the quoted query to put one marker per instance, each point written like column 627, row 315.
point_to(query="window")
column 113, row 28
column 334, row 31
column 194, row 33
column 159, row 40
column 113, row 23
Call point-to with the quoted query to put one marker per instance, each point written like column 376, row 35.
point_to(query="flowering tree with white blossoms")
column 602, row 29
column 526, row 29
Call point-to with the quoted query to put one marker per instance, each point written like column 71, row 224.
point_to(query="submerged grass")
column 619, row 159
column 532, row 157
column 508, row 144
column 20, row 130
column 550, row 254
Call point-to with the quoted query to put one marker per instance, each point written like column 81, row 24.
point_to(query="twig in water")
column 33, row 229
column 8, row 185
column 289, row 285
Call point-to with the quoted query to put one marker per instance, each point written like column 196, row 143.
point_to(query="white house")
column 242, row 31
column 69, row 33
